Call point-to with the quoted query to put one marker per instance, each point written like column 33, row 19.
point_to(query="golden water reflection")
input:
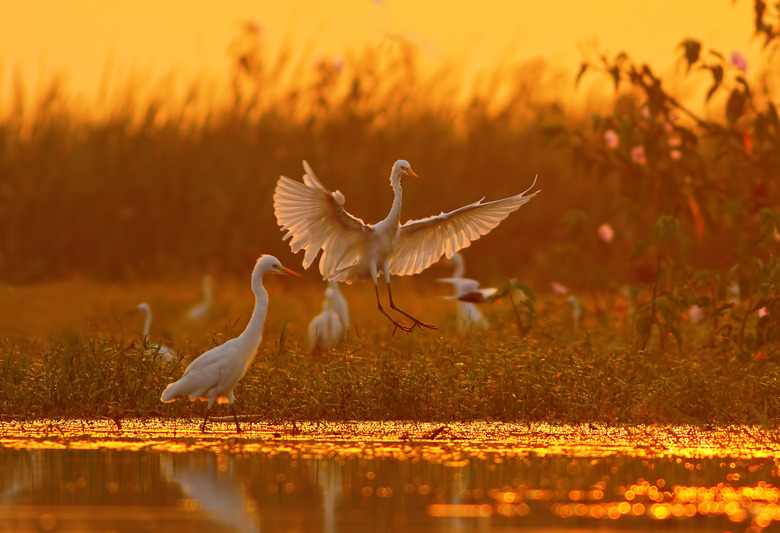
column 152, row 476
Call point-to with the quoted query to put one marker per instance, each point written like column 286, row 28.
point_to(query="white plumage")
column 325, row 329
column 339, row 305
column 201, row 309
column 155, row 348
column 212, row 376
column 314, row 219
column 467, row 292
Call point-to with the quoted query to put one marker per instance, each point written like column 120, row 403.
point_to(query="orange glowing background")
column 97, row 44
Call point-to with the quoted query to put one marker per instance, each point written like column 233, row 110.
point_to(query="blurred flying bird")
column 212, row 376
column 325, row 329
column 156, row 348
column 315, row 219
column 201, row 309
column 467, row 292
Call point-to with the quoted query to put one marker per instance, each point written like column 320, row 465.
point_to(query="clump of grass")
column 552, row 373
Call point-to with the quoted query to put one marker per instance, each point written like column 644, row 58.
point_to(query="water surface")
column 167, row 476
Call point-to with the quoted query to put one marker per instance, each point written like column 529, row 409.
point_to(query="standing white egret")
column 325, row 329
column 157, row 348
column 201, row 309
column 339, row 305
column 212, row 376
column 315, row 219
column 467, row 292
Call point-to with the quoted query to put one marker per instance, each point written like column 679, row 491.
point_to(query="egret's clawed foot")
column 417, row 323
column 420, row 324
column 408, row 329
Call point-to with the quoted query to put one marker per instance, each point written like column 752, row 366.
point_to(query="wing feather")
column 423, row 242
column 315, row 219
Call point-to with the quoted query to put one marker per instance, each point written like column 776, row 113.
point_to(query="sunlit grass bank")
column 553, row 373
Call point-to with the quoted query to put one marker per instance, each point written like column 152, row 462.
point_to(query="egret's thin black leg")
column 233, row 409
column 397, row 324
column 205, row 419
column 417, row 322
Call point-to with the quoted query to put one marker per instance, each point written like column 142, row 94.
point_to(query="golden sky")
column 85, row 40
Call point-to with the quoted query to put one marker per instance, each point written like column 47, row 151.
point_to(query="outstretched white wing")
column 461, row 284
column 422, row 242
column 315, row 220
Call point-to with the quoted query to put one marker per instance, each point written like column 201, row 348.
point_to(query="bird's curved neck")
column 254, row 329
column 147, row 322
column 459, row 269
column 395, row 210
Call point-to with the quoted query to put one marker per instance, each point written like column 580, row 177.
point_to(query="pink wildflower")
column 763, row 312
column 695, row 313
column 606, row 233
column 557, row 287
column 739, row 61
column 675, row 154
column 638, row 155
column 611, row 139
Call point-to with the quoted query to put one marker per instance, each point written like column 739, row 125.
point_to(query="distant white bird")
column 467, row 292
column 315, row 220
column 339, row 305
column 201, row 309
column 157, row 348
column 212, row 376
column 576, row 312
column 325, row 329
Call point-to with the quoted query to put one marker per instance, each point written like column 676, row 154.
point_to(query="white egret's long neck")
column 395, row 211
column 459, row 268
column 147, row 322
column 254, row 329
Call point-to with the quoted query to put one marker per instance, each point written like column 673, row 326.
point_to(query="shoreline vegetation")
column 662, row 223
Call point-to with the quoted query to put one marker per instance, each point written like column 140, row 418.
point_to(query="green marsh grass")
column 554, row 373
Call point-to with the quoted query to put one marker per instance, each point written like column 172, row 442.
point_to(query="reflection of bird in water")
column 328, row 475
column 467, row 292
column 325, row 329
column 201, row 309
column 24, row 472
column 212, row 376
column 154, row 348
column 219, row 495
column 315, row 219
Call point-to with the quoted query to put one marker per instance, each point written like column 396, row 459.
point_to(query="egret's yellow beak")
column 285, row 270
column 411, row 173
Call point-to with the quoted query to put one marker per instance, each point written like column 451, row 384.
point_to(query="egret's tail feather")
column 171, row 392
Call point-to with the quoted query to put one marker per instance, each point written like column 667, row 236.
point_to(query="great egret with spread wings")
column 315, row 219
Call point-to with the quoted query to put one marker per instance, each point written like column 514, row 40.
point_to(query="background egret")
column 315, row 219
column 339, row 305
column 212, row 376
column 156, row 348
column 467, row 291
column 201, row 309
column 325, row 329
